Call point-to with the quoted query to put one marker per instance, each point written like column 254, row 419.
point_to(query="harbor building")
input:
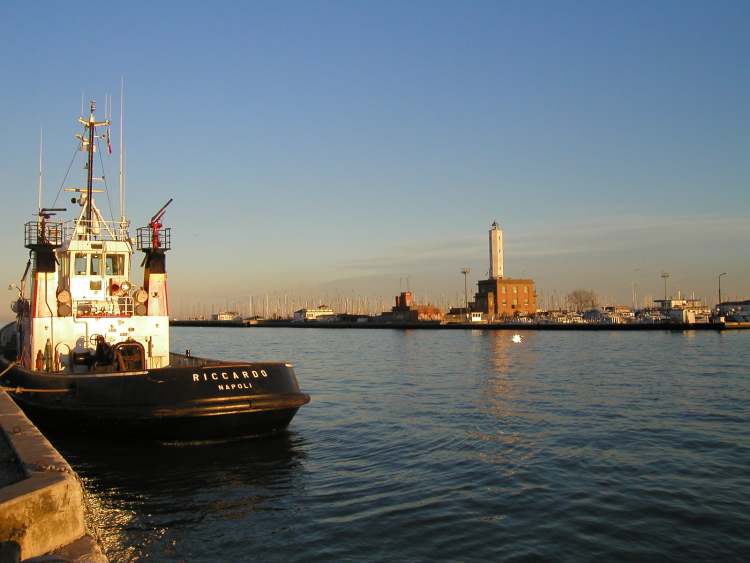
column 686, row 311
column 735, row 311
column 456, row 315
column 500, row 297
column 505, row 297
column 407, row 311
column 323, row 312
column 227, row 316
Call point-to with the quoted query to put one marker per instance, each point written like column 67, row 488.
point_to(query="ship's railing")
column 146, row 238
column 112, row 307
column 95, row 230
column 38, row 233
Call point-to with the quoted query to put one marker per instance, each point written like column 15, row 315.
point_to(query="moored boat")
column 89, row 349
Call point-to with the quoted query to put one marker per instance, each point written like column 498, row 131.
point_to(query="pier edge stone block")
column 44, row 511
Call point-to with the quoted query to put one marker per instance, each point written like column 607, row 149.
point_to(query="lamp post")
column 665, row 276
column 721, row 274
column 465, row 272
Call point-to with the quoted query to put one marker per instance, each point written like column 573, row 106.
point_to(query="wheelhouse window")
column 80, row 264
column 96, row 264
column 114, row 265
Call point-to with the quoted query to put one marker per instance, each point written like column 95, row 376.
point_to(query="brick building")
column 406, row 311
column 505, row 297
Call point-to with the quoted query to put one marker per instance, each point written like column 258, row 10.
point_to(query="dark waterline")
column 422, row 445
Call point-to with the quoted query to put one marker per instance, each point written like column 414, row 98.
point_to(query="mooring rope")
column 26, row 389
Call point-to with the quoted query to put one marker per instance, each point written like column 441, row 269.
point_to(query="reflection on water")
column 497, row 388
column 458, row 445
column 506, row 353
column 500, row 348
column 497, row 444
column 139, row 496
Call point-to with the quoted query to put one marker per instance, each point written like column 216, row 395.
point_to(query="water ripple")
column 452, row 445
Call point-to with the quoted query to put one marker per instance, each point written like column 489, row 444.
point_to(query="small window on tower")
column 80, row 264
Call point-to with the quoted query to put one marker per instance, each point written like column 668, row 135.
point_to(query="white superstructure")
column 496, row 251
column 81, row 283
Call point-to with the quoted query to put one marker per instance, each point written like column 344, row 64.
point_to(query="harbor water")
column 452, row 445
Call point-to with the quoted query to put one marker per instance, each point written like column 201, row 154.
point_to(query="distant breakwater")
column 461, row 326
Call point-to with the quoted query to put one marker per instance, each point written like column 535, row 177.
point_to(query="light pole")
column 721, row 274
column 465, row 272
column 665, row 276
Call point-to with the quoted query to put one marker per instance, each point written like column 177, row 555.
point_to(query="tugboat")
column 89, row 350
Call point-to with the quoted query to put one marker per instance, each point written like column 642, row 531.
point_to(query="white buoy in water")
column 516, row 338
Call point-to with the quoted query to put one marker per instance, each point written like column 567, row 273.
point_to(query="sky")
column 338, row 148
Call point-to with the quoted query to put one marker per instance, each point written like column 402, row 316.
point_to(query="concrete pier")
column 41, row 500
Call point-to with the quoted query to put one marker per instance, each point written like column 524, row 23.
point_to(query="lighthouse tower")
column 496, row 251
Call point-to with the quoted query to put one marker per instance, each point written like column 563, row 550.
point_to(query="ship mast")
column 90, row 126
column 39, row 184
column 90, row 167
column 123, row 221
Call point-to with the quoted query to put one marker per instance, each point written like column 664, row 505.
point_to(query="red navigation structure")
column 155, row 225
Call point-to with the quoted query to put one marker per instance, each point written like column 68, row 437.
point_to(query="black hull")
column 177, row 429
column 193, row 400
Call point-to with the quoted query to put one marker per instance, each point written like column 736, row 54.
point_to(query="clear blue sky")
column 340, row 146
